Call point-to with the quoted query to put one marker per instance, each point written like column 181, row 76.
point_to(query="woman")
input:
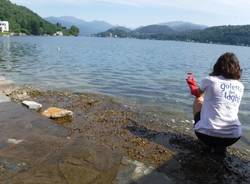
column 217, row 104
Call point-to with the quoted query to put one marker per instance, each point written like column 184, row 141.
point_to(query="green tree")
column 74, row 31
column 35, row 28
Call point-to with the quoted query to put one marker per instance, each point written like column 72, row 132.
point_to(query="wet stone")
column 32, row 105
column 55, row 113
column 133, row 171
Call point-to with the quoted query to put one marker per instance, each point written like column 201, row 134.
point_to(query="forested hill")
column 233, row 35
column 23, row 20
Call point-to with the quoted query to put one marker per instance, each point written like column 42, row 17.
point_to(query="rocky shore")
column 105, row 142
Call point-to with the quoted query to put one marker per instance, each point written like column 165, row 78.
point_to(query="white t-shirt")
column 219, row 113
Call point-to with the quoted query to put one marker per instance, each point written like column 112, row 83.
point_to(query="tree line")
column 233, row 35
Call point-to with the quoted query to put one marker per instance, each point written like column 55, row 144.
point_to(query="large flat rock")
column 33, row 149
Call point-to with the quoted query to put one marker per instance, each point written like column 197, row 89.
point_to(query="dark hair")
column 228, row 66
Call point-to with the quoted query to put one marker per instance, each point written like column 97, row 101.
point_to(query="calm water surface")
column 144, row 71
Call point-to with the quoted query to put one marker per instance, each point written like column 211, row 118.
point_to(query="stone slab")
column 32, row 105
column 34, row 149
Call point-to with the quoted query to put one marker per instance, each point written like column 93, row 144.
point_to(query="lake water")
column 143, row 71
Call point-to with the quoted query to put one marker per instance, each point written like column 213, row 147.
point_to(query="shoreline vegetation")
column 11, row 34
column 106, row 141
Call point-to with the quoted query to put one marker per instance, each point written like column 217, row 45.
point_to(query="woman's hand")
column 194, row 89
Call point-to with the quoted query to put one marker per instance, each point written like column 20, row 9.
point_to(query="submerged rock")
column 133, row 171
column 55, row 113
column 32, row 105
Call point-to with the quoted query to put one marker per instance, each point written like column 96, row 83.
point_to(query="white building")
column 4, row 26
column 58, row 33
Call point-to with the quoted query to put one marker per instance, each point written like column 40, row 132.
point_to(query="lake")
column 147, row 72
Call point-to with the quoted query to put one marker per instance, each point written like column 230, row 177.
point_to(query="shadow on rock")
column 192, row 162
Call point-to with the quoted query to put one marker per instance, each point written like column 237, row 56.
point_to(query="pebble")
column 7, row 92
column 173, row 120
column 22, row 164
column 21, row 96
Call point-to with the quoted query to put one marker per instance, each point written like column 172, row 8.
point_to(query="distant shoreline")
column 211, row 43
column 186, row 41
column 23, row 34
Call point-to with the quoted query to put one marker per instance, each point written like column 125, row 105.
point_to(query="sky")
column 135, row 13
